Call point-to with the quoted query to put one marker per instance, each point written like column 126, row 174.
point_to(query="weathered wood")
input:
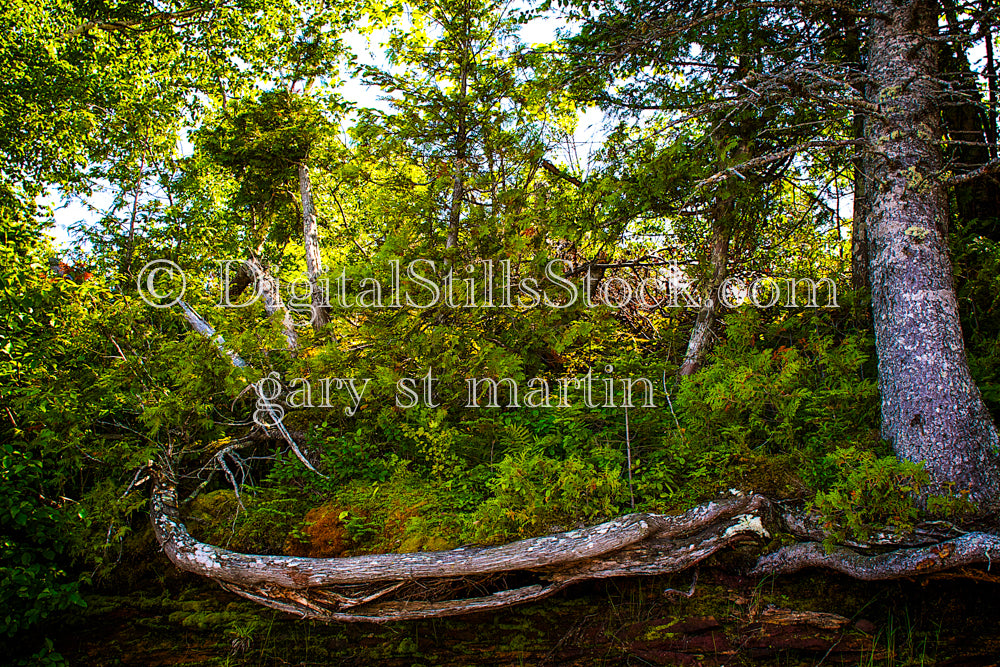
column 320, row 304
column 965, row 550
column 639, row 544
column 374, row 588
column 297, row 572
column 273, row 304
column 208, row 331
column 700, row 339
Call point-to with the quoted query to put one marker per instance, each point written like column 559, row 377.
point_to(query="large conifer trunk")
column 931, row 408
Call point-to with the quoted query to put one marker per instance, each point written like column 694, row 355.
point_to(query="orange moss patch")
column 324, row 535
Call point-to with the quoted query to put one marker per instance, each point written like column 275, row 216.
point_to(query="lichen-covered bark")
column 389, row 587
column 310, row 237
column 352, row 588
column 700, row 338
column 931, row 409
column 965, row 550
column 551, row 550
column 272, row 301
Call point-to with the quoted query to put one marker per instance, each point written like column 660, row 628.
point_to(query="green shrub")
column 534, row 493
column 34, row 582
column 869, row 493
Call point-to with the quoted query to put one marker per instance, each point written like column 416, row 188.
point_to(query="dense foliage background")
column 196, row 124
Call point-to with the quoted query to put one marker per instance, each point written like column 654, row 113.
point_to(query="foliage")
column 33, row 582
column 869, row 494
column 466, row 163
column 534, row 494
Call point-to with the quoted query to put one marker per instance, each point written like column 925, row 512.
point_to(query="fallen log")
column 354, row 588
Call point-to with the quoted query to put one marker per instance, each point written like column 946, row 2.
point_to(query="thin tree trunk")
column 701, row 335
column 859, row 239
column 272, row 301
column 208, row 331
column 314, row 264
column 126, row 263
column 991, row 83
column 860, row 279
column 932, row 411
column 461, row 138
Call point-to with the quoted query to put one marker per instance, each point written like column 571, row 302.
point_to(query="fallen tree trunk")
column 351, row 588
column 392, row 587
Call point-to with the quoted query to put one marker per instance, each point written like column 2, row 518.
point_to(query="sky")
column 541, row 30
column 67, row 212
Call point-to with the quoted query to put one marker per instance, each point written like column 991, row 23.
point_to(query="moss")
column 324, row 534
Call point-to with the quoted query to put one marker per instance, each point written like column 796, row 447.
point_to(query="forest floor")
column 809, row 619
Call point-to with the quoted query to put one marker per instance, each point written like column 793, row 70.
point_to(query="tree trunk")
column 859, row 239
column 931, row 409
column 320, row 304
column 860, row 279
column 991, row 84
column 272, row 301
column 700, row 339
column 461, row 137
column 975, row 202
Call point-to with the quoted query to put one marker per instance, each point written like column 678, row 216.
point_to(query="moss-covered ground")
column 169, row 618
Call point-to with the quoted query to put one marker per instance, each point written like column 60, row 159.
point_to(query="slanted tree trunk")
column 931, row 409
column 700, row 339
column 320, row 304
column 269, row 291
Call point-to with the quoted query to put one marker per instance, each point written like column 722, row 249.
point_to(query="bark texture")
column 860, row 259
column 391, row 587
column 314, row 264
column 273, row 304
column 931, row 409
column 859, row 236
column 967, row 549
column 356, row 588
column 701, row 335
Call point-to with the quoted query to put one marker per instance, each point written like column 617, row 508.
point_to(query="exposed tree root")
column 965, row 550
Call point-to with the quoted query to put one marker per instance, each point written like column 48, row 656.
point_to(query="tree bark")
column 859, row 238
column 860, row 279
column 320, row 304
column 394, row 587
column 932, row 411
column 272, row 301
column 991, row 84
column 700, row 339
column 967, row 125
column 352, row 588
